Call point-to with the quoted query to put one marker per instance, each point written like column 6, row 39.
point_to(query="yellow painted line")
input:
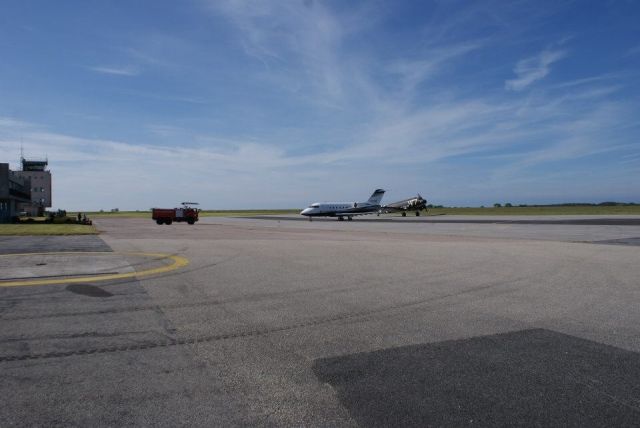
column 178, row 262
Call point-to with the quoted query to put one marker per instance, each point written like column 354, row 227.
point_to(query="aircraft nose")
column 304, row 211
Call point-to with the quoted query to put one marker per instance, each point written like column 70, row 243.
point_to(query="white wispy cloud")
column 534, row 68
column 394, row 118
column 118, row 71
column 165, row 97
column 590, row 80
column 301, row 40
column 431, row 62
column 260, row 172
column 129, row 175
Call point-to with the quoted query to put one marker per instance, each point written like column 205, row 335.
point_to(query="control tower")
column 36, row 170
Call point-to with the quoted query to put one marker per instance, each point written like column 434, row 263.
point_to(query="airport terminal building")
column 26, row 191
column 36, row 171
column 14, row 190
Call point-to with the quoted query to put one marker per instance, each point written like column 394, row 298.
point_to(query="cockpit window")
column 314, row 206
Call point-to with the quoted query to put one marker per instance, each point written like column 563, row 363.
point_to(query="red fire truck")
column 169, row 215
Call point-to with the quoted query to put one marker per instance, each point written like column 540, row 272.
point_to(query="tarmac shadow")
column 88, row 290
column 529, row 377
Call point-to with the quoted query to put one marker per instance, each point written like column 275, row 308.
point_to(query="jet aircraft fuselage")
column 344, row 209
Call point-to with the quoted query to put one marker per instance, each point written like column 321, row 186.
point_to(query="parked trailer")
column 169, row 215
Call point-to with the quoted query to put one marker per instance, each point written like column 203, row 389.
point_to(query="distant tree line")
column 575, row 204
column 567, row 204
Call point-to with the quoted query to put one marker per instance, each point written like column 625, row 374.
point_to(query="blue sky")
column 278, row 104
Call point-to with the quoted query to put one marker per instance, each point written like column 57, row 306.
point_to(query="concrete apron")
column 32, row 269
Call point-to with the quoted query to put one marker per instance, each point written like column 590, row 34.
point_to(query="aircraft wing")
column 353, row 214
column 391, row 207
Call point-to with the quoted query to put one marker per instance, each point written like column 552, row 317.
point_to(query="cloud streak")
column 117, row 71
column 532, row 69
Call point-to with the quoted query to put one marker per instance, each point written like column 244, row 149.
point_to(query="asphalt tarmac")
column 286, row 323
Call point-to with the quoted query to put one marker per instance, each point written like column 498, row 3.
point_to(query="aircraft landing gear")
column 404, row 213
column 349, row 218
column 340, row 218
column 417, row 213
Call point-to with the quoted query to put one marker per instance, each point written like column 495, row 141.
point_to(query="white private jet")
column 344, row 209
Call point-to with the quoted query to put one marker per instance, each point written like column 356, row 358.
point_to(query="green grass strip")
column 46, row 229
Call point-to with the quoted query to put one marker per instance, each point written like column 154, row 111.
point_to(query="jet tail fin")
column 376, row 197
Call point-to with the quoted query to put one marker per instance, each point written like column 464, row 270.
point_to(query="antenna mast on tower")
column 21, row 152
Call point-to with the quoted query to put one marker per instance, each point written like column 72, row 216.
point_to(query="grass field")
column 40, row 228
column 544, row 210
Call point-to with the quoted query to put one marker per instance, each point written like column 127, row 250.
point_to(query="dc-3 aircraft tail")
column 345, row 209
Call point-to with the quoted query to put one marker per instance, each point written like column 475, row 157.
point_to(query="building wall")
column 40, row 192
column 14, row 190
column 5, row 203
